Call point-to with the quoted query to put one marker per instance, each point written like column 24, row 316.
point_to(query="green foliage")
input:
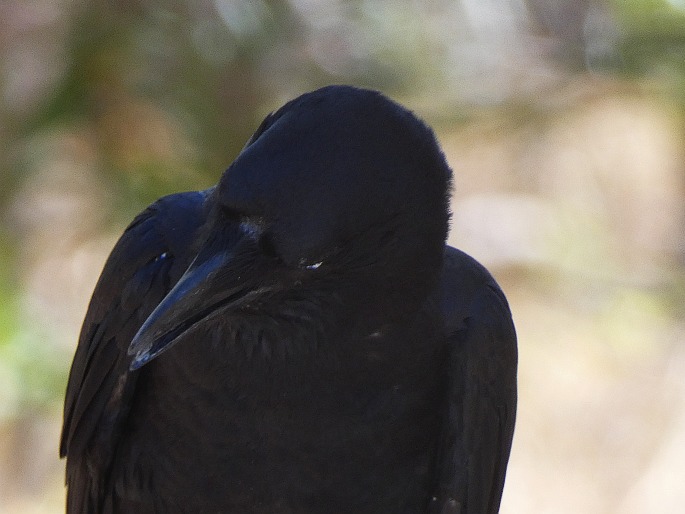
column 653, row 42
column 32, row 370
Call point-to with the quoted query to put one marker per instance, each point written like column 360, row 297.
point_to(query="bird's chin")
column 150, row 343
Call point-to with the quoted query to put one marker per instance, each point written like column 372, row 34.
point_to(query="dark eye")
column 310, row 265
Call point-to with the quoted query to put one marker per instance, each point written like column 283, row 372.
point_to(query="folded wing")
column 146, row 262
column 480, row 406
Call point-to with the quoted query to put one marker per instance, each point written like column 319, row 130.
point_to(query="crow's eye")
column 308, row 264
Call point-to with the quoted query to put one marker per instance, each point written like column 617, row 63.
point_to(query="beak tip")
column 139, row 361
column 145, row 347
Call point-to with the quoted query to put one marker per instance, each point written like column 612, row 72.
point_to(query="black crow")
column 297, row 339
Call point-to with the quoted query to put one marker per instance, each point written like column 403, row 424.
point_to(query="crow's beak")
column 216, row 282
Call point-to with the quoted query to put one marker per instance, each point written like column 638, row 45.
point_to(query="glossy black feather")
column 297, row 339
column 149, row 258
column 481, row 402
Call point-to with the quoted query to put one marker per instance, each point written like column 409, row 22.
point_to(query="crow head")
column 336, row 209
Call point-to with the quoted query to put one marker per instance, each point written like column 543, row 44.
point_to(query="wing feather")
column 481, row 400
column 147, row 260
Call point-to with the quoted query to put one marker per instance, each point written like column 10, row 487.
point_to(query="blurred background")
column 563, row 122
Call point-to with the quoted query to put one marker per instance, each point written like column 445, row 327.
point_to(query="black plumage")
column 297, row 339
